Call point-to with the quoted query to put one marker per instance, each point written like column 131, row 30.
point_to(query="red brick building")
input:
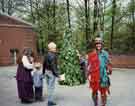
column 123, row 61
column 15, row 35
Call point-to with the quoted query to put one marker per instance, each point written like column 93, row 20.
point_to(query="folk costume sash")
column 103, row 58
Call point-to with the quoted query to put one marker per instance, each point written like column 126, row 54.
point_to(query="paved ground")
column 122, row 90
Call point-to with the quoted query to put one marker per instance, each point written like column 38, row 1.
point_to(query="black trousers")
column 38, row 93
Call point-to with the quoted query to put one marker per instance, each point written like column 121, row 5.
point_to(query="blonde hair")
column 52, row 46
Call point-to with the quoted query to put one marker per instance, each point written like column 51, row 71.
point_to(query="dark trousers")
column 38, row 93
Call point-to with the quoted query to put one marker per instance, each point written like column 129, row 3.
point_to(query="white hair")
column 52, row 46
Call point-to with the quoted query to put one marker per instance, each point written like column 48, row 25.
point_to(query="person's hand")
column 109, row 69
column 89, row 78
column 109, row 72
column 61, row 77
column 31, row 59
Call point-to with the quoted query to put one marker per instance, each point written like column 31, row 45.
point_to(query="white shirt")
column 26, row 63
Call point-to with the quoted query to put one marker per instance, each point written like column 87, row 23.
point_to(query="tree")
column 3, row 6
column 87, row 22
column 54, row 14
column 69, row 62
column 95, row 17
column 10, row 6
column 68, row 12
column 32, row 12
column 111, row 19
column 50, row 19
column 113, row 23
column 133, row 16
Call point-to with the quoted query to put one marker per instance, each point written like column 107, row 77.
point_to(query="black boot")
column 95, row 99
column 25, row 101
column 51, row 103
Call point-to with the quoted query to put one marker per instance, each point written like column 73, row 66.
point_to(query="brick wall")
column 13, row 37
column 123, row 61
column 14, row 34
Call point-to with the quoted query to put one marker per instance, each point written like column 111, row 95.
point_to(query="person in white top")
column 24, row 77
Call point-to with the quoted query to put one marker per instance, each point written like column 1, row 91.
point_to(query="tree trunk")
column 48, row 15
column 133, row 16
column 101, row 13
column 89, row 18
column 54, row 14
column 104, row 7
column 9, row 7
column 37, row 12
column 68, row 12
column 113, row 23
column 101, row 18
column 95, row 21
column 31, row 10
column 86, row 22
column 3, row 5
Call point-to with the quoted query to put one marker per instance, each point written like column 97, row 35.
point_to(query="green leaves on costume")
column 69, row 62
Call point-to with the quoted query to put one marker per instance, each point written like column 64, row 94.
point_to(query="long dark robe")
column 24, row 83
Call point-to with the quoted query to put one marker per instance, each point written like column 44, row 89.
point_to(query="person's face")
column 98, row 46
column 53, row 50
column 28, row 52
column 38, row 68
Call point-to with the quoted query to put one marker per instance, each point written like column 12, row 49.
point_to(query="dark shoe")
column 24, row 101
column 39, row 99
column 50, row 103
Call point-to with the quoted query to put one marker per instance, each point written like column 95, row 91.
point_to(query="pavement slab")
column 122, row 90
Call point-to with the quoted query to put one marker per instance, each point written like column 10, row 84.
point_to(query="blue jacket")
column 38, row 79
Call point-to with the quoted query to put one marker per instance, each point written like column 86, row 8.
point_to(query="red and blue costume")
column 99, row 65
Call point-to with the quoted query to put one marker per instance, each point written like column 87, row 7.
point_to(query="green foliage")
column 124, row 41
column 49, row 28
column 69, row 62
column 42, row 12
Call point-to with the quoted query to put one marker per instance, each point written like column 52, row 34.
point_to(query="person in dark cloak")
column 24, row 77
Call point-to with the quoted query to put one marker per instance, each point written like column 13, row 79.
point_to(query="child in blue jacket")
column 38, row 82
